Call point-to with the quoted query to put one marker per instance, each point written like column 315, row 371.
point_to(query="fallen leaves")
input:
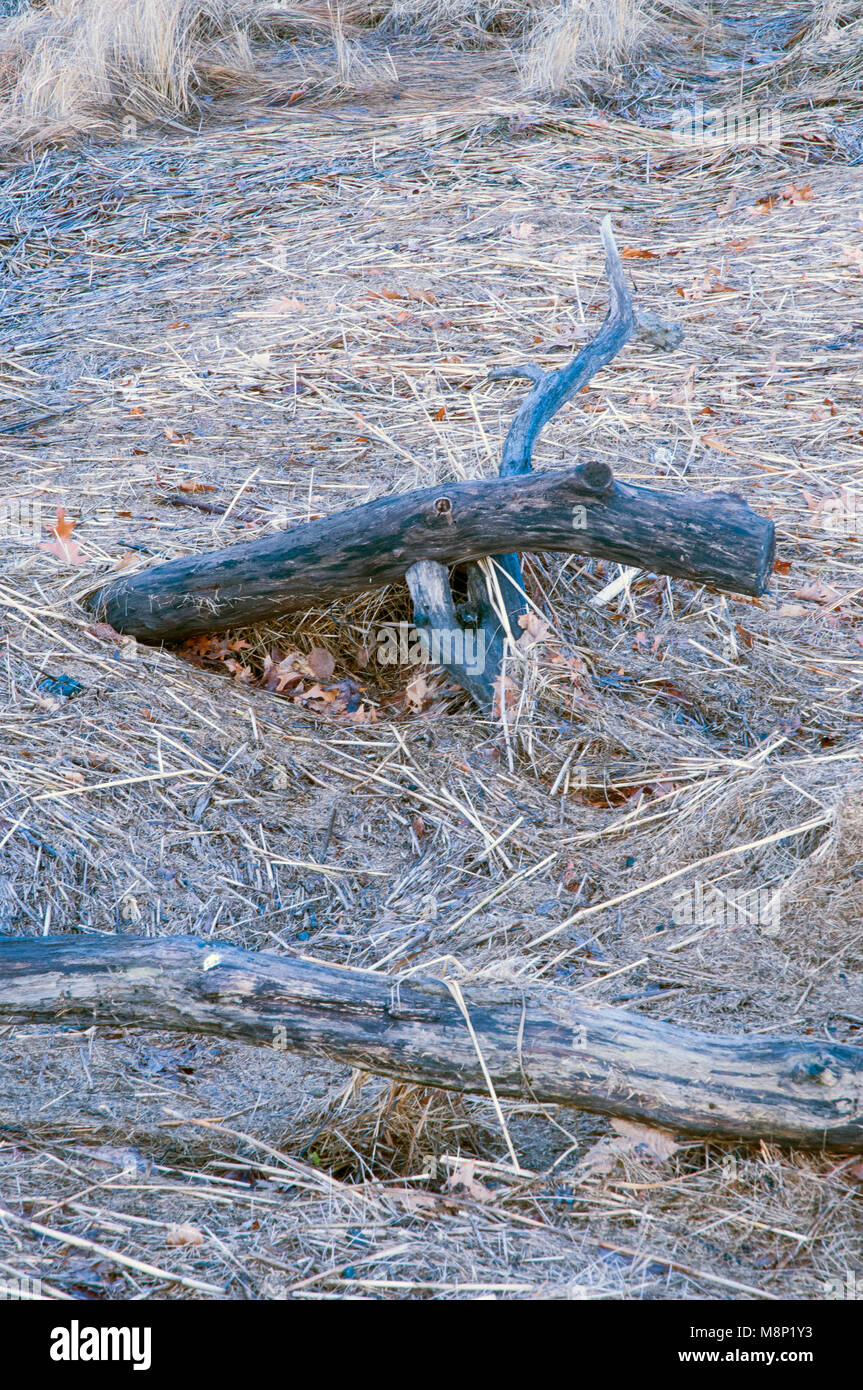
column 818, row 592
column 631, row 1139
column 63, row 546
column 126, row 645
column 424, row 296
column 522, row 231
column 418, row 693
column 184, row 1235
column 322, row 663
column 463, row 1182
column 708, row 283
column 796, row 196
column 305, row 680
column 792, row 196
column 535, row 629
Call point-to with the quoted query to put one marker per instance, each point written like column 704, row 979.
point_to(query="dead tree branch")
column 710, row 538
column 544, row 1044
column 497, row 607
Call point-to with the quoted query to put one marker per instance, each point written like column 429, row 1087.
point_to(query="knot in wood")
column 443, row 508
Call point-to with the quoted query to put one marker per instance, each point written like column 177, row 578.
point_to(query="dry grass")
column 292, row 310
column 75, row 68
column 579, row 46
column 68, row 66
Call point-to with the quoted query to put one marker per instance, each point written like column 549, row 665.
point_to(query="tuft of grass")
column 581, row 46
column 69, row 66
column 461, row 23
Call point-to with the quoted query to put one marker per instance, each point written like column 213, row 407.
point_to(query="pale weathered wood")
column 545, row 1044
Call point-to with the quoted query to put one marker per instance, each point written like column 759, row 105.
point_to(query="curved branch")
column 551, row 390
column 554, row 389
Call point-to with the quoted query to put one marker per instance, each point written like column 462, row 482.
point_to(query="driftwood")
column 545, row 1045
column 712, row 539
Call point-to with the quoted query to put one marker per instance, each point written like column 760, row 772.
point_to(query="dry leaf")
column 632, row 253
column 419, row 1201
column 462, row 1181
column 63, row 546
column 708, row 283
column 321, row 663
column 125, row 561
column 105, row 632
column 184, row 1235
column 506, row 694
column 817, row 592
column 536, row 629
column 418, row 692
column 658, row 1142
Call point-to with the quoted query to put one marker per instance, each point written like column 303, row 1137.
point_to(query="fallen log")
column 543, row 1044
column 712, row 539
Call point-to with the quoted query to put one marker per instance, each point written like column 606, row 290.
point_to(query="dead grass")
column 68, row 67
column 579, row 47
column 293, row 310
column 75, row 68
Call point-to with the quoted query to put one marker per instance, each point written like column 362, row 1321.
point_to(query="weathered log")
column 544, row 1044
column 710, row 538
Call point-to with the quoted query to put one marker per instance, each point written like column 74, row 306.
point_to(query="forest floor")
column 292, row 309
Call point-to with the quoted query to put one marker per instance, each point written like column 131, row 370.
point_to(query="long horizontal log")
column 713, row 539
column 543, row 1044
